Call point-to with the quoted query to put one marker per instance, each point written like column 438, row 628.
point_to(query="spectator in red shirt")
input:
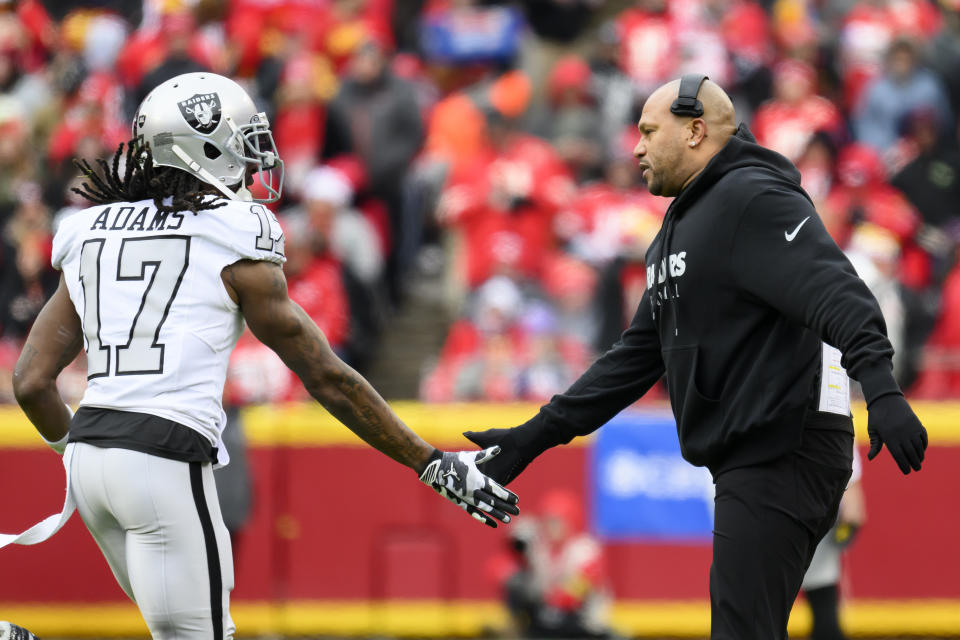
column 93, row 115
column 747, row 35
column 315, row 282
column 788, row 121
column 817, row 167
column 176, row 47
column 306, row 83
column 862, row 194
column 503, row 209
column 648, row 44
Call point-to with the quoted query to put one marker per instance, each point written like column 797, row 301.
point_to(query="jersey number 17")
column 159, row 260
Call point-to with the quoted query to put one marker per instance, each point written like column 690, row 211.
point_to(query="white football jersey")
column 158, row 324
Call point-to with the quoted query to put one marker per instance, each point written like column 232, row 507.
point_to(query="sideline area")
column 873, row 618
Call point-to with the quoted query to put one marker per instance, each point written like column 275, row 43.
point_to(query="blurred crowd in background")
column 488, row 146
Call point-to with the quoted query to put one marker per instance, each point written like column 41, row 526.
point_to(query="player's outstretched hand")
column 455, row 476
column 892, row 422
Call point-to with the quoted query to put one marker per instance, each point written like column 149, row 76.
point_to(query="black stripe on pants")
column 213, row 555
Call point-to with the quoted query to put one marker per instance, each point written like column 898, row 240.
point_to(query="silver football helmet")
column 207, row 125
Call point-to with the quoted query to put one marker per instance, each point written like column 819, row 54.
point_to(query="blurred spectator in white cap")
column 496, row 305
column 315, row 282
column 337, row 227
column 492, row 370
column 105, row 36
column 30, row 91
column 18, row 162
column 874, row 253
column 484, row 339
column 550, row 368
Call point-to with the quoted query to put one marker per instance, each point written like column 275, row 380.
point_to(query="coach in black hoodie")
column 753, row 313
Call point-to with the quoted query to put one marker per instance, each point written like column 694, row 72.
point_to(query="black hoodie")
column 748, row 289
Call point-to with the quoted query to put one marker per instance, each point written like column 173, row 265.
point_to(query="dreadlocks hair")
column 171, row 189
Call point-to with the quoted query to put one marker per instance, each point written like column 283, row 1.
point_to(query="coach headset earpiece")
column 686, row 103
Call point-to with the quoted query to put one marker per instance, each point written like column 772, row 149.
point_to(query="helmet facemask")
column 252, row 144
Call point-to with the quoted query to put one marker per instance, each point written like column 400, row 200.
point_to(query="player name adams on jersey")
column 158, row 324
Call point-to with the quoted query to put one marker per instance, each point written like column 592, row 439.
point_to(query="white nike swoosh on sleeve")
column 793, row 234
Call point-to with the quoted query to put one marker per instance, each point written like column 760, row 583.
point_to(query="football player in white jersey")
column 157, row 280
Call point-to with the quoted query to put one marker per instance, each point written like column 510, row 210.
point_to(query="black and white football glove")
column 454, row 475
column 10, row 631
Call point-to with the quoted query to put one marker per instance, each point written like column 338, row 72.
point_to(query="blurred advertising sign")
column 642, row 489
column 464, row 35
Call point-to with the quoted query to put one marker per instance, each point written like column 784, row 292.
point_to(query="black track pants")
column 767, row 523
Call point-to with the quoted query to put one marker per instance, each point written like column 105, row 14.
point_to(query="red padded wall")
column 344, row 522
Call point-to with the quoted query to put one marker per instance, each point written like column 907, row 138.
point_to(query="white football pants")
column 159, row 526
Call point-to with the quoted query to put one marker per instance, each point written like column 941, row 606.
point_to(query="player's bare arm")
column 54, row 341
column 260, row 289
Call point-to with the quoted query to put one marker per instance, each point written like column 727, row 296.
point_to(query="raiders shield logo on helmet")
column 202, row 111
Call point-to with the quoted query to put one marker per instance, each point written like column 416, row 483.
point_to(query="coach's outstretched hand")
column 892, row 422
column 518, row 447
column 455, row 476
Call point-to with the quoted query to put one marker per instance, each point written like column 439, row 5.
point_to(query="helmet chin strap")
column 209, row 177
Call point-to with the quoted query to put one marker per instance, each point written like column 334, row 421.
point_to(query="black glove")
column 455, row 476
column 518, row 447
column 892, row 422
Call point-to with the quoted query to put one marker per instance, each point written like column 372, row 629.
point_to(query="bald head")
column 718, row 112
column 674, row 149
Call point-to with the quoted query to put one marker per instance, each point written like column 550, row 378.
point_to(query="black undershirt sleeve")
column 783, row 255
